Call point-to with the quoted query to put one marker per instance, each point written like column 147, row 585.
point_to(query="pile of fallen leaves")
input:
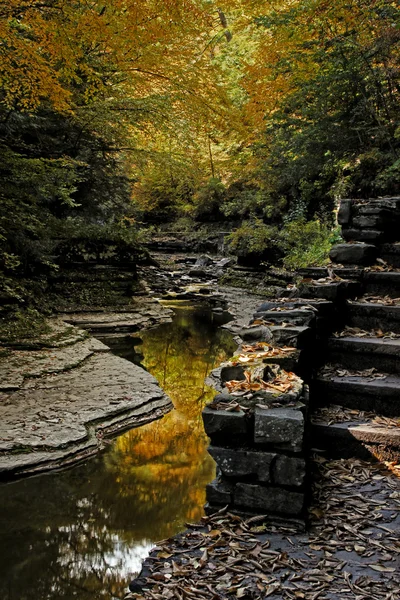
column 350, row 552
column 259, row 352
column 362, row 333
column 335, row 371
column 253, row 382
column 341, row 414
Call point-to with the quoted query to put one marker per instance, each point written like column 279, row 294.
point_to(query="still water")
column 82, row 533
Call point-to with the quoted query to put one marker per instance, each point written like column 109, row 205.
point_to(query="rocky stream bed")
column 65, row 393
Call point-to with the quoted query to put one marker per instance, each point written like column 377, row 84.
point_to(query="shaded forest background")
column 121, row 118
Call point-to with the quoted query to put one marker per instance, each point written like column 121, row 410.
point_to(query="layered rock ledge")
column 62, row 393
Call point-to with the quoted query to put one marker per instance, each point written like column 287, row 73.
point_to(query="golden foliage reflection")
column 167, row 461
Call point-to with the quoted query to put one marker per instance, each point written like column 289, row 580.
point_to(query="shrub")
column 253, row 238
column 306, row 244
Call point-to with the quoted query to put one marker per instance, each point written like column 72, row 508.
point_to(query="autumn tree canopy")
column 211, row 112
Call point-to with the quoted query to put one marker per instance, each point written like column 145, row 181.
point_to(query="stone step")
column 334, row 291
column 374, row 213
column 371, row 315
column 384, row 283
column 349, row 272
column 362, row 439
column 390, row 252
column 324, row 307
column 360, row 353
column 294, row 316
column 355, row 391
column 319, row 314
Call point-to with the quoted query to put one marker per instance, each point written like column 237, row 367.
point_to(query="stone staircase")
column 355, row 394
column 344, row 322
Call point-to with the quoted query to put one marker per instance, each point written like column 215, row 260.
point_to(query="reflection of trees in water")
column 79, row 533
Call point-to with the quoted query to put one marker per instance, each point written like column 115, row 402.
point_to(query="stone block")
column 369, row 222
column 268, row 499
column 232, row 372
column 374, row 204
column 289, row 362
column 299, row 337
column 358, row 253
column 237, row 463
column 226, row 428
column 219, row 492
column 262, row 334
column 344, row 213
column 382, row 284
column 390, row 252
column 281, row 428
column 289, row 471
column 362, row 235
column 334, row 291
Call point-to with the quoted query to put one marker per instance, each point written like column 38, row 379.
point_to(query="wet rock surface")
column 63, row 391
column 67, row 409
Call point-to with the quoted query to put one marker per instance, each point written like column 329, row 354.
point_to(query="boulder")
column 204, row 261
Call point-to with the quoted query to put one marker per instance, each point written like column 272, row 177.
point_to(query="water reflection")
column 80, row 534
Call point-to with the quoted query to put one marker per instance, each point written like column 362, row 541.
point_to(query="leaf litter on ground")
column 340, row 414
column 371, row 374
column 351, row 550
column 362, row 333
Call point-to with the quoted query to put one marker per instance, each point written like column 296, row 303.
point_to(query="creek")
column 82, row 533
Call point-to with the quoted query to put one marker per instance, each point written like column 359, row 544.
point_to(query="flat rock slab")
column 118, row 322
column 61, row 410
column 57, row 334
column 18, row 365
column 144, row 312
column 351, row 540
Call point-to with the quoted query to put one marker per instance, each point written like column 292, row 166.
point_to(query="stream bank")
column 64, row 391
column 86, row 529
